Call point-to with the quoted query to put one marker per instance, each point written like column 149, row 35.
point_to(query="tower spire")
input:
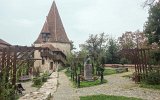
column 54, row 26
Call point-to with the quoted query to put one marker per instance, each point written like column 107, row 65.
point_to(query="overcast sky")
column 21, row 20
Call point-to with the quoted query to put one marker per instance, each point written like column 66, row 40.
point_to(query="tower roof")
column 45, row 28
column 54, row 26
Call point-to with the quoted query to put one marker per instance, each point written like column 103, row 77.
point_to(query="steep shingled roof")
column 54, row 26
column 45, row 28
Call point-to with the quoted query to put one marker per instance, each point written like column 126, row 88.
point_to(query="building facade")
column 54, row 37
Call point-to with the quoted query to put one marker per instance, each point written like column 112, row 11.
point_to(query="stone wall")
column 38, row 63
column 46, row 91
column 46, row 66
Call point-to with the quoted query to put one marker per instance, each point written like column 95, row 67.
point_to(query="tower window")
column 45, row 37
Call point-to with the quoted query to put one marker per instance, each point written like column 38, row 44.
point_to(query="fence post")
column 78, row 81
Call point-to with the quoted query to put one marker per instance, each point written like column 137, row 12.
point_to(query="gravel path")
column 120, row 86
column 65, row 91
column 28, row 87
column 117, row 85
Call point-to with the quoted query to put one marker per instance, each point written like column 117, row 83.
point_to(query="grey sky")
column 21, row 20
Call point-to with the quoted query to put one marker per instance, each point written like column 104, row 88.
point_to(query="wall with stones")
column 38, row 63
column 46, row 66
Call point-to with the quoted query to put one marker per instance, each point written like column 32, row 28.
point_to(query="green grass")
column 109, row 71
column 39, row 81
column 68, row 74
column 88, row 83
column 91, row 83
column 144, row 85
column 107, row 97
column 38, row 86
column 85, row 83
column 61, row 68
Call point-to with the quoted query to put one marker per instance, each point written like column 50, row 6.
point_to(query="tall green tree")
column 152, row 26
column 72, row 45
column 95, row 46
column 112, row 56
column 150, row 2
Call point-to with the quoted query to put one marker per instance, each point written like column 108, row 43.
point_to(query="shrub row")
column 39, row 80
column 153, row 78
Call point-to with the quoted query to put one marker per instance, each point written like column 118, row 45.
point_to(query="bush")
column 153, row 78
column 7, row 92
column 37, row 81
column 44, row 78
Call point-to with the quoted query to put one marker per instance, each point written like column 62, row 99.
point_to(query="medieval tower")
column 52, row 35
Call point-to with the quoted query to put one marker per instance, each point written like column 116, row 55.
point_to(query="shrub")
column 44, row 78
column 37, row 81
column 153, row 78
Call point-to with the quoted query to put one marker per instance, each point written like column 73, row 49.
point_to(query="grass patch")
column 107, row 97
column 38, row 86
column 61, row 68
column 84, row 83
column 144, row 85
column 68, row 73
column 40, row 80
column 109, row 71
column 88, row 83
column 128, row 76
column 91, row 83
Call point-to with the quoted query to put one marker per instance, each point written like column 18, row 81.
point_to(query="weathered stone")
column 45, row 91
column 88, row 72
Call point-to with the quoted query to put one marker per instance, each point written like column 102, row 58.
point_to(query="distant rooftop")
column 2, row 42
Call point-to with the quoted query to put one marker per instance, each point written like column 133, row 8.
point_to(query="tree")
column 72, row 45
column 95, row 45
column 152, row 26
column 131, row 40
column 150, row 2
column 112, row 56
column 126, row 41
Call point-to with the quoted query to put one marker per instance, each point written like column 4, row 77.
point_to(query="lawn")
column 107, row 97
column 84, row 83
column 109, row 71
column 144, row 85
column 91, row 83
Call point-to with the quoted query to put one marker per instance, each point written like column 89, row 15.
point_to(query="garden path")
column 117, row 85
column 28, row 87
column 120, row 86
column 65, row 91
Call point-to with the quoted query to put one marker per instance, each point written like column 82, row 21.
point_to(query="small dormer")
column 46, row 36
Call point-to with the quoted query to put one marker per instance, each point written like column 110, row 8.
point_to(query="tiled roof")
column 54, row 26
column 4, row 42
column 50, row 47
column 45, row 28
